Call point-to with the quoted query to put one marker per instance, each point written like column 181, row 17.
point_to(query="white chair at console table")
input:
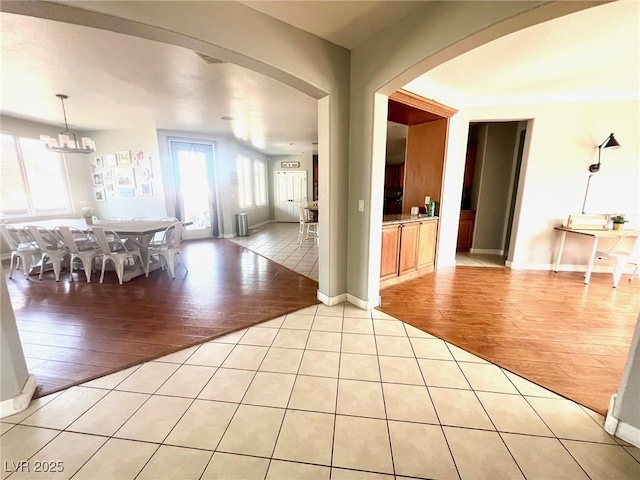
column 596, row 234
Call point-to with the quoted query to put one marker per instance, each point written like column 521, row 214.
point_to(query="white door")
column 291, row 189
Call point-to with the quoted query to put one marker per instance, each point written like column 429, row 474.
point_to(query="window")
column 252, row 182
column 32, row 179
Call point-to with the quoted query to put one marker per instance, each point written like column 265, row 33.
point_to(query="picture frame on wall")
column 124, row 157
column 110, row 160
column 109, row 187
column 99, row 162
column 99, row 195
column 107, row 176
column 147, row 189
column 125, row 178
column 97, row 179
column 127, row 192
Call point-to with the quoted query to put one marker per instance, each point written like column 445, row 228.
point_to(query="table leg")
column 594, row 248
column 562, row 239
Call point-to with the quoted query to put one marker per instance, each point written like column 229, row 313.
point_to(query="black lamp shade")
column 611, row 142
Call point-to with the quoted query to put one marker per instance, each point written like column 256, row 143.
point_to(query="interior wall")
column 383, row 64
column 555, row 173
column 143, row 146
column 13, row 367
column 494, row 187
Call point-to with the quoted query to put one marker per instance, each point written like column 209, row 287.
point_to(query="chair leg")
column 13, row 267
column 634, row 273
column 87, row 264
column 44, row 257
column 617, row 272
column 104, row 261
column 57, row 266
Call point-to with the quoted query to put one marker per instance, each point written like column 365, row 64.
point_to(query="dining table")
column 136, row 232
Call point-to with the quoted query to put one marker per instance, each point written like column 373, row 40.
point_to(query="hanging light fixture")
column 67, row 141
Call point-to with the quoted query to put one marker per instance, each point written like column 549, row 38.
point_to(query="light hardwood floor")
column 548, row 327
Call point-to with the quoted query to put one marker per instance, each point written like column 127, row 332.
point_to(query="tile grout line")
column 284, row 415
column 433, row 405
column 335, row 409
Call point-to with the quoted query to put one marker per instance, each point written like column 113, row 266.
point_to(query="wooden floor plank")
column 550, row 328
column 75, row 331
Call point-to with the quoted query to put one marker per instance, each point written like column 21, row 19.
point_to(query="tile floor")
column 279, row 242
column 466, row 259
column 324, row 393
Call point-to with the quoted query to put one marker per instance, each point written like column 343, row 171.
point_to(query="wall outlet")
column 361, row 205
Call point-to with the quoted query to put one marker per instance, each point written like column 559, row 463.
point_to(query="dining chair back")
column 625, row 250
column 23, row 249
column 52, row 247
column 307, row 229
column 168, row 250
column 82, row 247
column 113, row 248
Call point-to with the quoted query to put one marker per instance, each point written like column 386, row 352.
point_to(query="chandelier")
column 67, row 141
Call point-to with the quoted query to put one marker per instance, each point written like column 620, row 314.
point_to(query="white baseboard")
column 20, row 402
column 564, row 267
column 486, row 251
column 330, row 301
column 227, row 235
column 622, row 430
column 358, row 302
column 261, row 223
column 5, row 256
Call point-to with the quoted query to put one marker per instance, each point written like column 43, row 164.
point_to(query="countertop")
column 405, row 218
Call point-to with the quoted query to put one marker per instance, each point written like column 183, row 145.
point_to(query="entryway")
column 490, row 189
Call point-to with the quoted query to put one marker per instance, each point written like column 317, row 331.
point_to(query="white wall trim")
column 486, row 251
column 20, row 402
column 261, row 223
column 622, row 430
column 330, row 301
column 227, row 235
column 358, row 302
column 564, row 267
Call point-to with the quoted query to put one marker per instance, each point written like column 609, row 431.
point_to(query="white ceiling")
column 152, row 85
column 592, row 54
column 347, row 24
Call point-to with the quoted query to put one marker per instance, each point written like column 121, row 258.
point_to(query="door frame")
column 215, row 197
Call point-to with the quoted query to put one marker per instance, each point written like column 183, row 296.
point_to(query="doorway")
column 490, row 187
column 194, row 188
column 290, row 190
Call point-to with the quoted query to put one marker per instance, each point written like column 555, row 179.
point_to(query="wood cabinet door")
column 465, row 231
column 408, row 247
column 390, row 246
column 427, row 244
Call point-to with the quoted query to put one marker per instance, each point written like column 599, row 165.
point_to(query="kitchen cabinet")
column 390, row 249
column 465, row 230
column 408, row 248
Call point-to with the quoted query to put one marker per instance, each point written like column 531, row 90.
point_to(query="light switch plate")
column 361, row 205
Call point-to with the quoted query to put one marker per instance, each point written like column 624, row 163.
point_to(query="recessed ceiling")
column 347, row 24
column 153, row 85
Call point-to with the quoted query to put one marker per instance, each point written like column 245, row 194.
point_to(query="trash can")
column 242, row 224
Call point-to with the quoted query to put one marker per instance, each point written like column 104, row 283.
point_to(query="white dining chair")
column 145, row 219
column 113, row 248
column 23, row 249
column 168, row 250
column 306, row 229
column 169, row 219
column 115, row 218
column 82, row 247
column 625, row 250
column 52, row 247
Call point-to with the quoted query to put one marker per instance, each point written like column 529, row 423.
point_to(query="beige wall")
column 561, row 145
column 134, row 141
